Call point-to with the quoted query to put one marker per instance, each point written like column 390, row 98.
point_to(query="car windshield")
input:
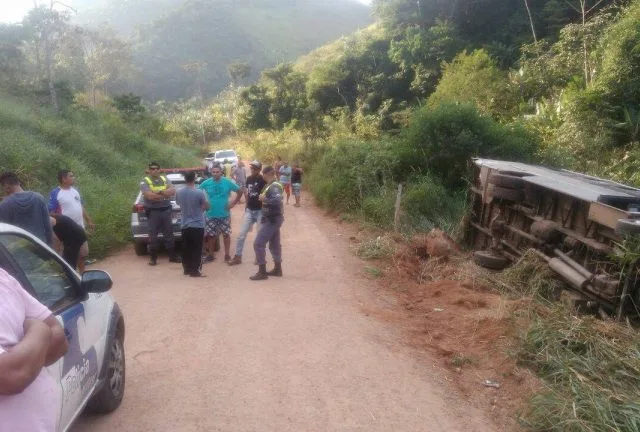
column 226, row 154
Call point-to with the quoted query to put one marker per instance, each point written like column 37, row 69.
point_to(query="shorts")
column 297, row 189
column 84, row 250
column 217, row 226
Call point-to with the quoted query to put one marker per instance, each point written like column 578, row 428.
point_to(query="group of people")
column 31, row 338
column 63, row 222
column 206, row 214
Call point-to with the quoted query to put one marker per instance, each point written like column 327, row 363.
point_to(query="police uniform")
column 158, row 215
column 270, row 224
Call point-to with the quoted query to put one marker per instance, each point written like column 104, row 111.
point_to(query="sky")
column 13, row 10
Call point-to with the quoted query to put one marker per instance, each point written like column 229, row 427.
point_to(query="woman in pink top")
column 30, row 338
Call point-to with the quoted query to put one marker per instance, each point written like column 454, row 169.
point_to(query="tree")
column 129, row 105
column 197, row 68
column 533, row 27
column 421, row 53
column 253, row 109
column 585, row 8
column 475, row 78
column 12, row 59
column 47, row 26
column 106, row 59
column 286, row 90
column 238, row 72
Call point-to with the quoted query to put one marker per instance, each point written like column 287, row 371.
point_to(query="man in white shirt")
column 65, row 199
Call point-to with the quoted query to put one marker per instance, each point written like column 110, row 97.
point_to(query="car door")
column 45, row 275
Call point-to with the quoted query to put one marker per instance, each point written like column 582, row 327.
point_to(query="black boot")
column 153, row 260
column 277, row 270
column 262, row 273
column 174, row 257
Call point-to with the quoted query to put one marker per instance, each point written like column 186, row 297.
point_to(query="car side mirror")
column 96, row 281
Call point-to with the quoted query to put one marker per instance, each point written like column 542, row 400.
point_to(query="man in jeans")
column 193, row 202
column 270, row 223
column 254, row 185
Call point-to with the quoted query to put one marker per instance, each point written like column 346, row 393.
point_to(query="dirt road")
column 300, row 353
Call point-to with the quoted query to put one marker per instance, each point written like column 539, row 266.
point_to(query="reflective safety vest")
column 264, row 192
column 156, row 188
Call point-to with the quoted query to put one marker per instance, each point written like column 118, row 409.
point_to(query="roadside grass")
column 107, row 157
column 375, row 248
column 374, row 272
column 592, row 372
column 529, row 277
column 591, row 367
column 460, row 360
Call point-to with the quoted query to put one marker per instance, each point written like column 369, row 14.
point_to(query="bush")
column 379, row 209
column 427, row 204
column 475, row 78
column 442, row 141
column 353, row 172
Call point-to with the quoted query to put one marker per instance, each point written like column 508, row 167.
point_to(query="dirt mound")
column 435, row 244
column 452, row 313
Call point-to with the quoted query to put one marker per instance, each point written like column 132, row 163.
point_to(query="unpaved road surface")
column 300, row 353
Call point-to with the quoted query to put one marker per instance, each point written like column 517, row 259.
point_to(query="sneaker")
column 196, row 274
column 208, row 259
column 235, row 261
column 175, row 259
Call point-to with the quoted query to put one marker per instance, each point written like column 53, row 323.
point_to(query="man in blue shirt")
column 25, row 209
column 218, row 189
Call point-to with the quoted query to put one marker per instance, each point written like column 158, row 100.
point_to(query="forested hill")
column 177, row 43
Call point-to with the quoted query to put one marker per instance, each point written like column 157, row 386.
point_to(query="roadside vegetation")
column 409, row 100
column 590, row 367
column 107, row 154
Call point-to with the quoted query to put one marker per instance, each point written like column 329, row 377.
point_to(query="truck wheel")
column 507, row 181
column 628, row 227
column 491, row 261
column 515, row 195
column 108, row 399
column 141, row 248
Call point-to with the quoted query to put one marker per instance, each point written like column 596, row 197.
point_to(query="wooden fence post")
column 396, row 217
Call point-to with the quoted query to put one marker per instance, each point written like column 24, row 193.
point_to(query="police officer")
column 157, row 191
column 270, row 224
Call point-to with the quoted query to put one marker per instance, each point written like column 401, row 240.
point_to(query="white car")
column 92, row 373
column 221, row 155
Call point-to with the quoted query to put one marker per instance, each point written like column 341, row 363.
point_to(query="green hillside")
column 262, row 33
column 123, row 16
column 106, row 154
